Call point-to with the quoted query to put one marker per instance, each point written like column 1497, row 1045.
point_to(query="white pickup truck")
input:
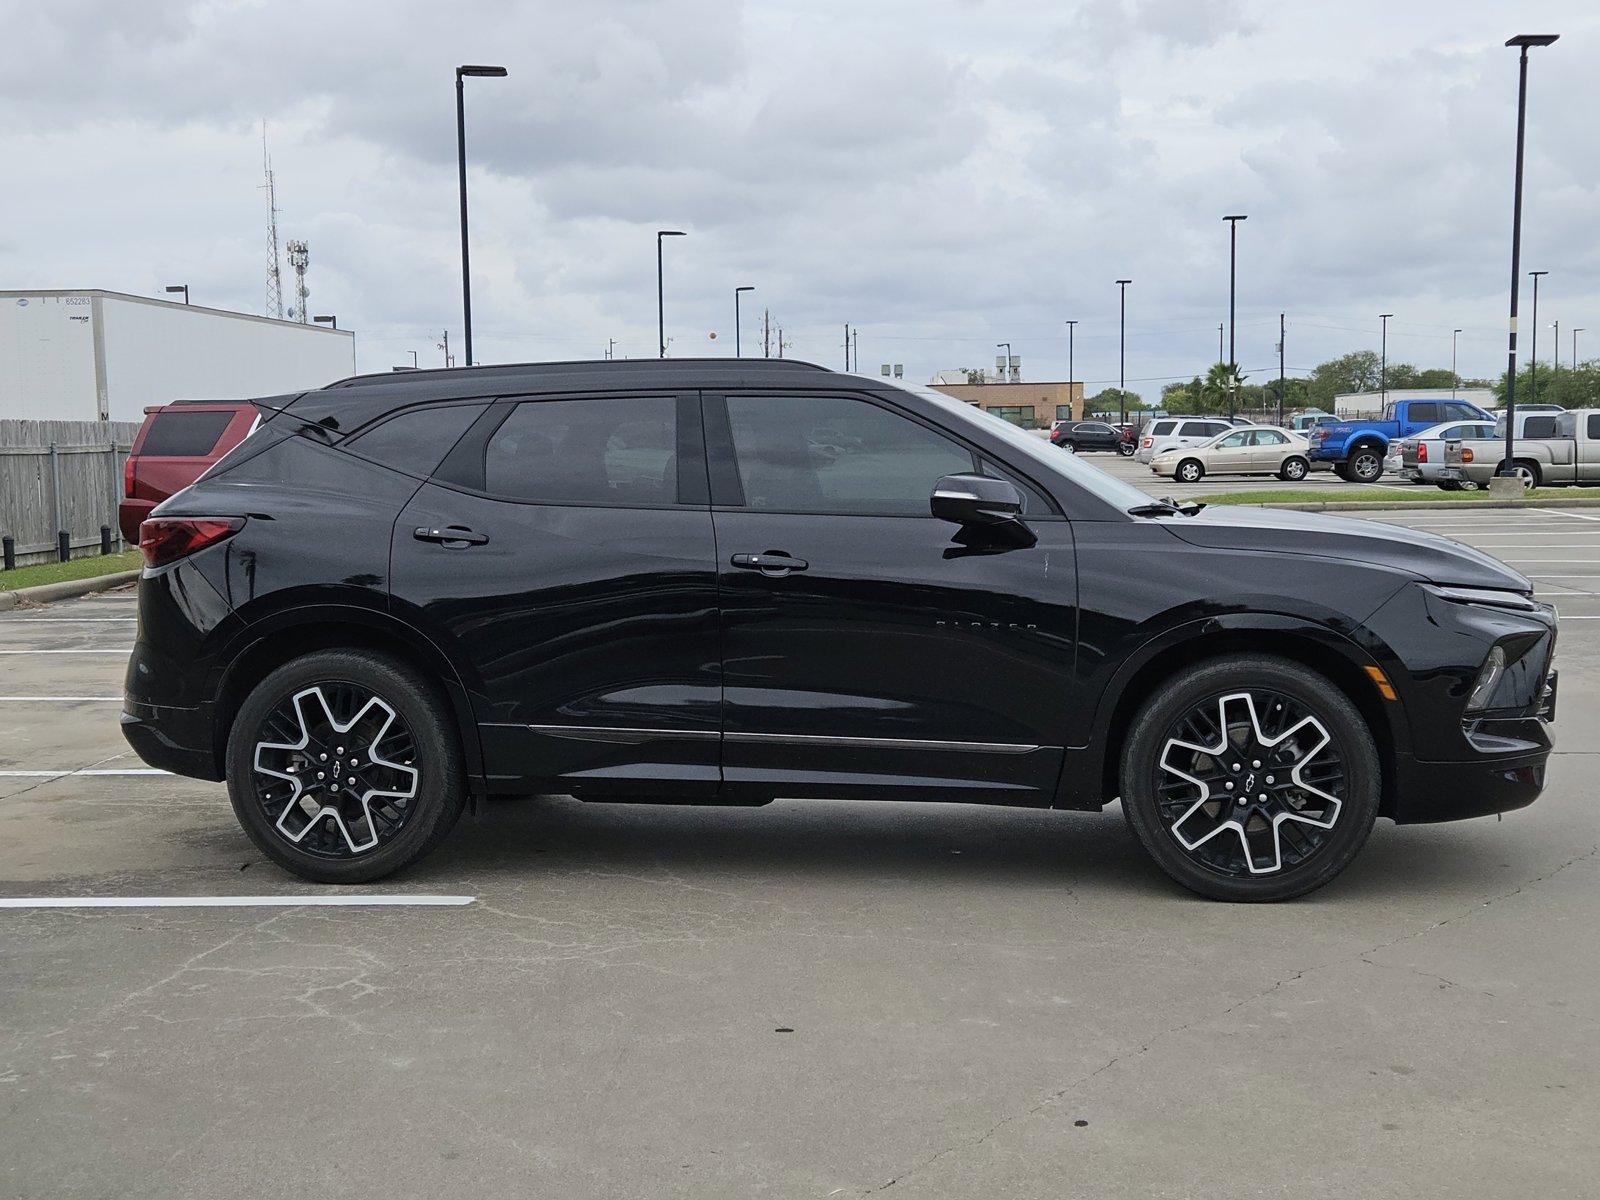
column 1568, row 454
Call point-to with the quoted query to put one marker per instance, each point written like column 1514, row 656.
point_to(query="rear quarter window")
column 416, row 440
column 1163, row 427
column 184, row 434
column 1539, row 427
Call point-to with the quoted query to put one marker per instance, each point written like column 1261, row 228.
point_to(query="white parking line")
column 80, row 620
column 421, row 901
column 67, row 774
column 1576, row 516
column 47, row 699
column 123, row 652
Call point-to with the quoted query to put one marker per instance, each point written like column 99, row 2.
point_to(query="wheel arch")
column 273, row 641
column 1329, row 654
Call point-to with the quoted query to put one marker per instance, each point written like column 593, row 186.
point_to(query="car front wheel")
column 1250, row 778
column 1189, row 471
column 344, row 767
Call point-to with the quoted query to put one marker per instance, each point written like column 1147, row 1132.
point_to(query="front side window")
column 605, row 451
column 830, row 454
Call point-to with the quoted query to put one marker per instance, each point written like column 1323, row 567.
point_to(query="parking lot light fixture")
column 462, row 72
column 661, row 311
column 1005, row 371
column 1122, row 348
column 1522, row 42
column 180, row 287
column 334, row 321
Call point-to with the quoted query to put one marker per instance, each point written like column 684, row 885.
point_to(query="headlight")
column 1494, row 598
column 1488, row 679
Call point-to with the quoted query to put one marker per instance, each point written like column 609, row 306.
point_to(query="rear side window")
column 416, row 440
column 1425, row 412
column 1161, row 428
column 184, row 434
column 608, row 451
column 1592, row 425
column 1200, row 429
column 829, row 454
column 1539, row 427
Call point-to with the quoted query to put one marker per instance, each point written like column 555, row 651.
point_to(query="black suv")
column 728, row 581
column 1084, row 436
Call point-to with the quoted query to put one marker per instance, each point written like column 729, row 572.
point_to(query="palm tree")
column 1220, row 379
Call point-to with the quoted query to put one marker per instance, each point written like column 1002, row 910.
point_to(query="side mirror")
column 976, row 500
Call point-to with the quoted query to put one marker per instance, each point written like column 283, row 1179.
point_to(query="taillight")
column 1466, row 454
column 164, row 540
column 1422, row 452
column 127, row 477
column 1148, row 442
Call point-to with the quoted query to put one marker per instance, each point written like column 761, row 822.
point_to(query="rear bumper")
column 172, row 739
column 130, row 513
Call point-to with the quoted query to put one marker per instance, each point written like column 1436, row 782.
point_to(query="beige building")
column 1031, row 405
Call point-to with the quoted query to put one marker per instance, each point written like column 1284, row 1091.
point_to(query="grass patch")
column 1377, row 495
column 78, row 568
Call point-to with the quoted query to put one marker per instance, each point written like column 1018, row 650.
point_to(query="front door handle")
column 453, row 536
column 774, row 564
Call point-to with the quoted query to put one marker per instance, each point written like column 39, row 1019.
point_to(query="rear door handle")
column 449, row 535
column 773, row 563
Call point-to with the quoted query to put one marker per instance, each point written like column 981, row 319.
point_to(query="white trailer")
column 95, row 355
column 1370, row 404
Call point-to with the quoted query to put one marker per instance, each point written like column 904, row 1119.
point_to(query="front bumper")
column 1456, row 791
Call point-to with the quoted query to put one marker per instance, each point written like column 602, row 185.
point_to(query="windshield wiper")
column 1167, row 506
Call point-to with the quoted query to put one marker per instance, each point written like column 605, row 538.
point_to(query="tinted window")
column 620, row 450
column 1199, row 429
column 1162, row 427
column 418, row 439
column 1592, row 425
column 1459, row 412
column 1424, row 412
column 184, row 434
column 829, row 454
column 1539, row 427
column 1095, row 427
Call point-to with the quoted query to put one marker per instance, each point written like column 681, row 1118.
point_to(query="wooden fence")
column 61, row 475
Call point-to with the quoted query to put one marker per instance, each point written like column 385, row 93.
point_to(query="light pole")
column 461, row 168
column 1122, row 349
column 1233, row 247
column 1455, row 375
column 738, row 346
column 1072, row 395
column 1283, row 383
column 1522, row 42
column 1533, row 348
column 661, row 311
column 413, row 354
column 1383, row 359
column 181, row 287
column 1555, row 352
column 334, row 321
column 1005, row 371
column 1576, row 331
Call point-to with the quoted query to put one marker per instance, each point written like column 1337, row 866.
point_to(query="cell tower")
column 299, row 257
column 274, row 262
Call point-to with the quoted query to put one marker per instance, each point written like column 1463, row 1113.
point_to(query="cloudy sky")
column 942, row 175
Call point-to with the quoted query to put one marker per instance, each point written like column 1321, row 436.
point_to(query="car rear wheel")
column 1250, row 778
column 1190, row 470
column 1125, row 449
column 1366, row 466
column 1294, row 469
column 343, row 766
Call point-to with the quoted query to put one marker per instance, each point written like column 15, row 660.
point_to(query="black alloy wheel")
column 1251, row 778
column 342, row 766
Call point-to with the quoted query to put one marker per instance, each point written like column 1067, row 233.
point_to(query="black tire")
column 1220, row 865
column 1449, row 485
column 1529, row 472
column 1190, row 470
column 1294, row 469
column 1126, row 449
column 426, row 778
column 1342, row 470
column 1365, row 465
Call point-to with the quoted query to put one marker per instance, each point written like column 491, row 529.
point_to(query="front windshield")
column 1107, row 487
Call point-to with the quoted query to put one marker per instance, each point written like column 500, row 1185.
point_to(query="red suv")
column 174, row 447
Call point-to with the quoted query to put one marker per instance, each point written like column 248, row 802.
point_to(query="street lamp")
column 661, row 312
column 181, row 287
column 334, row 321
column 1575, row 334
column 1555, row 353
column 1005, row 371
column 1522, row 42
column 1233, row 245
column 1383, row 359
column 461, row 164
column 1072, row 328
column 1122, row 349
column 738, row 351
column 1533, row 349
column 1455, row 376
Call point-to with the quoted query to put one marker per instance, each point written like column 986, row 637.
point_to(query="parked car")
column 1420, row 457
column 648, row 581
column 1082, row 436
column 1303, row 422
column 1553, row 449
column 1356, row 449
column 1170, row 433
column 1256, row 450
column 176, row 443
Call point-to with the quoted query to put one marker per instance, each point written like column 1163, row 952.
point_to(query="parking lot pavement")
column 808, row 999
column 1319, row 485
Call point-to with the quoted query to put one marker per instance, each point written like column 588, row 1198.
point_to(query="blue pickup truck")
column 1356, row 449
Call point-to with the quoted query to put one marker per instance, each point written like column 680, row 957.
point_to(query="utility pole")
column 1455, row 376
column 855, row 348
column 1383, row 360
column 1122, row 347
column 1533, row 350
column 847, row 345
column 1555, row 352
column 1233, row 369
column 1282, row 383
column 780, row 341
column 1219, row 341
column 1576, row 331
column 766, row 333
column 611, row 349
column 445, row 346
column 1072, row 394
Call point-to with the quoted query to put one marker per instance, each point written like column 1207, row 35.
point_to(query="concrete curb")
column 1425, row 505
column 65, row 590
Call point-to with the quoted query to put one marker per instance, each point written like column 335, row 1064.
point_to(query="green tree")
column 1110, row 400
column 1567, row 387
column 1353, row 372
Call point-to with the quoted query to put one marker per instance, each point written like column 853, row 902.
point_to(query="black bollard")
column 105, row 539
column 9, row 544
column 63, row 545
